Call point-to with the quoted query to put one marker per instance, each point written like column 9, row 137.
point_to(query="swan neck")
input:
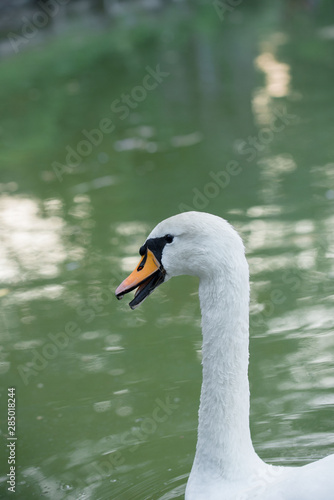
column 224, row 442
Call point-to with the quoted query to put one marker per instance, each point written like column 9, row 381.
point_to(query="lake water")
column 167, row 112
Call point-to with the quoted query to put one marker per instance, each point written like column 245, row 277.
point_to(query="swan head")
column 193, row 243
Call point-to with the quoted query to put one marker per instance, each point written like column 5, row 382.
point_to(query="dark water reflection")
column 242, row 127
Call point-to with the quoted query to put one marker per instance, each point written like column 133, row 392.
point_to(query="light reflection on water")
column 88, row 426
column 300, row 377
column 31, row 245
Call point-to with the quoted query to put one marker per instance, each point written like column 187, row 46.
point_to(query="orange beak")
column 147, row 276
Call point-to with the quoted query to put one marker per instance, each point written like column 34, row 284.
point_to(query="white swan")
column 226, row 466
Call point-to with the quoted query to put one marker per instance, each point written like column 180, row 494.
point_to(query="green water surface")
column 233, row 117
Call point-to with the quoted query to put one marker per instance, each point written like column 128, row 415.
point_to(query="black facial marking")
column 151, row 282
column 143, row 249
column 156, row 245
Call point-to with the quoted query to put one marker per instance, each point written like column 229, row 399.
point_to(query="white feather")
column 226, row 466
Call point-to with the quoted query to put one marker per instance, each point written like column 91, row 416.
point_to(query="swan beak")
column 146, row 277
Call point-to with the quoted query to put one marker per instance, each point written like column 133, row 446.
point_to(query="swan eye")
column 169, row 238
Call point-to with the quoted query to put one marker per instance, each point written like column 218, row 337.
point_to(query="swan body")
column 226, row 466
